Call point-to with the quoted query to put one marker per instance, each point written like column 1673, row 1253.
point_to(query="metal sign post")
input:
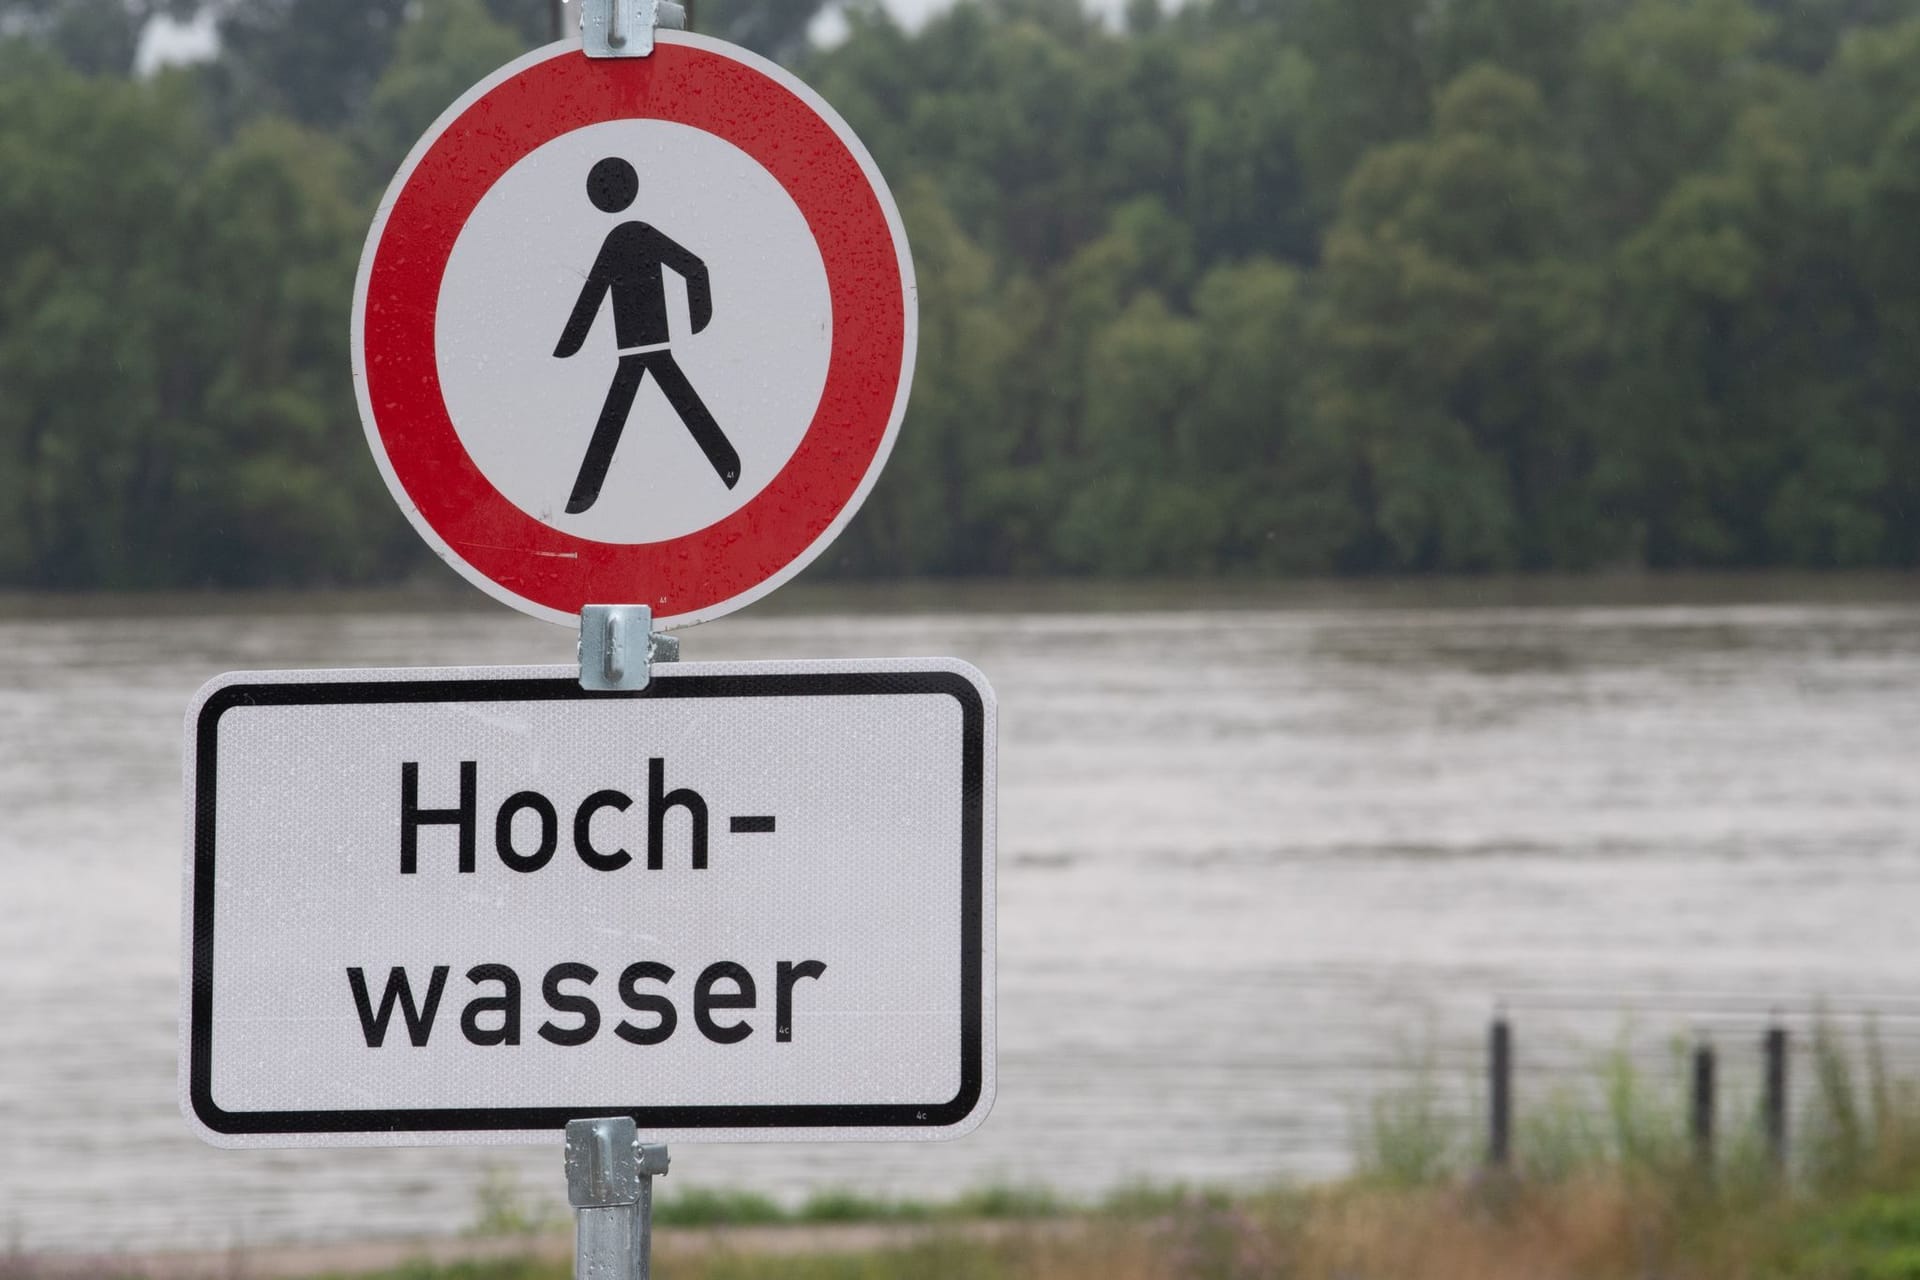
column 609, row 1172
column 713, row 902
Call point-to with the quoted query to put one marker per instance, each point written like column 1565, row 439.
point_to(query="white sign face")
column 754, row 902
column 756, row 360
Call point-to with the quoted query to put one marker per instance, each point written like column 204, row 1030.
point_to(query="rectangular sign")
column 752, row 902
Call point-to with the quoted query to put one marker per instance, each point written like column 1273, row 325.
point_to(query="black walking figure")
column 629, row 267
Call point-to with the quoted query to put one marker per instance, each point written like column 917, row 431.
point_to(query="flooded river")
column 1256, row 857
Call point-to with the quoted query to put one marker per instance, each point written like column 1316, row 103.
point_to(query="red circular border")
column 804, row 153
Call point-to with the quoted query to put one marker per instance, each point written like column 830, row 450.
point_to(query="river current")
column 1260, row 861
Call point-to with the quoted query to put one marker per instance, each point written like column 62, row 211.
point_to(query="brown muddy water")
column 1261, row 859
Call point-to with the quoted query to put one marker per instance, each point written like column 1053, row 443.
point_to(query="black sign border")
column 930, row 1116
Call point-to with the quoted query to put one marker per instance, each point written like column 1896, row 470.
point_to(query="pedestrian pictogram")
column 635, row 330
column 628, row 273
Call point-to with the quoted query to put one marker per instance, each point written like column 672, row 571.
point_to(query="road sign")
column 753, row 902
column 634, row 330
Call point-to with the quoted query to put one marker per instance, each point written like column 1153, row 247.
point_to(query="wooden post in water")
column 1703, row 1106
column 1500, row 1093
column 1773, row 1102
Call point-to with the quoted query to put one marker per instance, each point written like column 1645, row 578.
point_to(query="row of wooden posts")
column 1700, row 1111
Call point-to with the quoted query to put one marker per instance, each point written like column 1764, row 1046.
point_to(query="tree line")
column 1247, row 286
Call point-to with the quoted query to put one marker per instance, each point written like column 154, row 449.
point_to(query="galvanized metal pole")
column 1774, row 1100
column 688, row 4
column 1500, row 1091
column 1703, row 1105
column 610, row 1185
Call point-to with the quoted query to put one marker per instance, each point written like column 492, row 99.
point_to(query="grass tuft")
column 1009, row 1201
column 1138, row 1200
column 1408, row 1138
column 503, row 1208
column 696, row 1206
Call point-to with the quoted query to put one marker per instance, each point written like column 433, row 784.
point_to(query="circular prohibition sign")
column 787, row 365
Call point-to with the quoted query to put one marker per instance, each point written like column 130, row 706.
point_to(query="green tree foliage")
column 1440, row 317
column 448, row 46
column 1232, row 286
column 777, row 28
column 1567, row 284
column 313, row 60
column 172, row 344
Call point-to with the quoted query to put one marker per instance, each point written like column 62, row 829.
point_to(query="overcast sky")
column 913, row 11
column 167, row 41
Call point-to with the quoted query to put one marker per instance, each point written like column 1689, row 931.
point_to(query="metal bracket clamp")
column 606, row 1161
column 610, row 1186
column 603, row 1168
column 618, row 647
column 624, row 28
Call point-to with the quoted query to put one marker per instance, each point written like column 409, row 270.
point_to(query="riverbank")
column 1609, row 1185
column 1610, row 1225
column 439, row 591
